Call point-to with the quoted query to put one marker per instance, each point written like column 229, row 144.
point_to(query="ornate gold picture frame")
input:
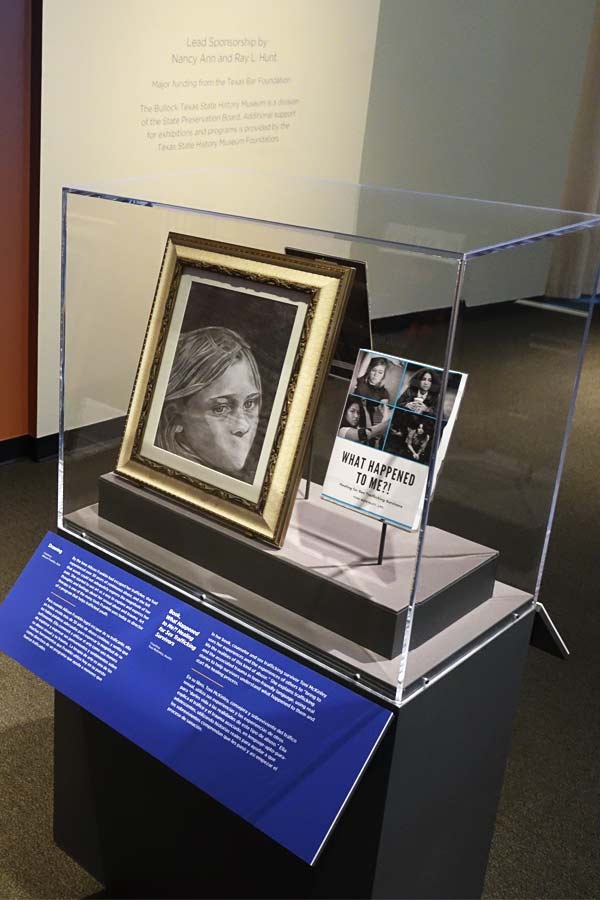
column 237, row 348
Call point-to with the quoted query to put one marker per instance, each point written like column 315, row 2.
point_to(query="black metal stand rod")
column 382, row 543
column 309, row 467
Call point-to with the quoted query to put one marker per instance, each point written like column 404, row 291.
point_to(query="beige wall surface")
column 475, row 98
column 468, row 97
column 139, row 88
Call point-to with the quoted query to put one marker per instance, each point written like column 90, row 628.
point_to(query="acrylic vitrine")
column 438, row 284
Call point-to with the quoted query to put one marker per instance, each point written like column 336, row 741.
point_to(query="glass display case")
column 432, row 285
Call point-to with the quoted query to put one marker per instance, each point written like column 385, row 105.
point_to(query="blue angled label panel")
column 279, row 744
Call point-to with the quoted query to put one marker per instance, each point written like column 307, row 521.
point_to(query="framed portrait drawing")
column 237, row 348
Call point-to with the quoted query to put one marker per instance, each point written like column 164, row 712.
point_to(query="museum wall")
column 452, row 97
column 483, row 94
column 14, row 221
column 111, row 71
column 477, row 99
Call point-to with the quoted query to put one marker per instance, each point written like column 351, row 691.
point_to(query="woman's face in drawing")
column 220, row 421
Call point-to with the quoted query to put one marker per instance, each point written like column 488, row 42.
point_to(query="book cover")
column 383, row 448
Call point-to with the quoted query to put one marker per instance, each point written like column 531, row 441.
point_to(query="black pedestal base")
column 419, row 824
column 326, row 571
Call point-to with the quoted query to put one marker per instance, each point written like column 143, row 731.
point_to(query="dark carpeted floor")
column 30, row 863
column 546, row 843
